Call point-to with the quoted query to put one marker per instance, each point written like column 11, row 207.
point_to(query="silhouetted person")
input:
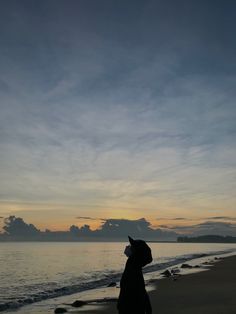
column 133, row 298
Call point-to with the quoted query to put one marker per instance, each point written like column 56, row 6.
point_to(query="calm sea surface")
column 31, row 272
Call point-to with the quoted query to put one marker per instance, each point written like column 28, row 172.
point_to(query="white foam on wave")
column 92, row 287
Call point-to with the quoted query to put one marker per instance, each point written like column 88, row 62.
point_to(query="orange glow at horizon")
column 65, row 226
column 59, row 217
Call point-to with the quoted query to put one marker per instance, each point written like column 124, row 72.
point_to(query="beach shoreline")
column 207, row 292
column 154, row 281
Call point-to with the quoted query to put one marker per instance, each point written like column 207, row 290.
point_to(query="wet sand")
column 208, row 292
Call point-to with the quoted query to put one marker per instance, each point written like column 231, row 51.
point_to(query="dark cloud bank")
column 110, row 230
column 15, row 229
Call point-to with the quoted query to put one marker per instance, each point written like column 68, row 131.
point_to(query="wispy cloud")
column 198, row 218
column 177, row 218
column 90, row 218
column 222, row 218
column 208, row 227
column 153, row 126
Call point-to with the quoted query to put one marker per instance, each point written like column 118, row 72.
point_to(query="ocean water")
column 31, row 272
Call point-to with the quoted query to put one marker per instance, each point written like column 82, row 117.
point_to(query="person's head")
column 128, row 251
column 139, row 251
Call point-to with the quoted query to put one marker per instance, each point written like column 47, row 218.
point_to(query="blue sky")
column 117, row 109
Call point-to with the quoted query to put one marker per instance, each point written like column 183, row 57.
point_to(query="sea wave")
column 104, row 280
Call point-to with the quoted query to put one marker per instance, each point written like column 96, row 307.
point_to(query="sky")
column 117, row 109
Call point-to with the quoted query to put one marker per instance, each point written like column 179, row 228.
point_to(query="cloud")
column 17, row 227
column 206, row 228
column 90, row 218
column 164, row 226
column 177, row 218
column 199, row 218
column 153, row 124
column 139, row 228
column 116, row 229
column 222, row 218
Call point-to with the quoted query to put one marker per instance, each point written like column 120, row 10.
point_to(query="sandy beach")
column 206, row 292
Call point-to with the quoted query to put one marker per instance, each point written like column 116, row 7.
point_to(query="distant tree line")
column 208, row 239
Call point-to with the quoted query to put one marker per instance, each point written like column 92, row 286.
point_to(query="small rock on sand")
column 166, row 273
column 60, row 310
column 186, row 266
column 112, row 284
column 175, row 271
column 78, row 303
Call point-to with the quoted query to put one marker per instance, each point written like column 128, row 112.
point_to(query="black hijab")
column 141, row 252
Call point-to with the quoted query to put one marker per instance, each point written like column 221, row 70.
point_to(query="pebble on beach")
column 112, row 284
column 166, row 273
column 60, row 310
column 186, row 266
column 78, row 303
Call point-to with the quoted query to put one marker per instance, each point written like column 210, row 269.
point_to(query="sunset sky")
column 117, row 109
